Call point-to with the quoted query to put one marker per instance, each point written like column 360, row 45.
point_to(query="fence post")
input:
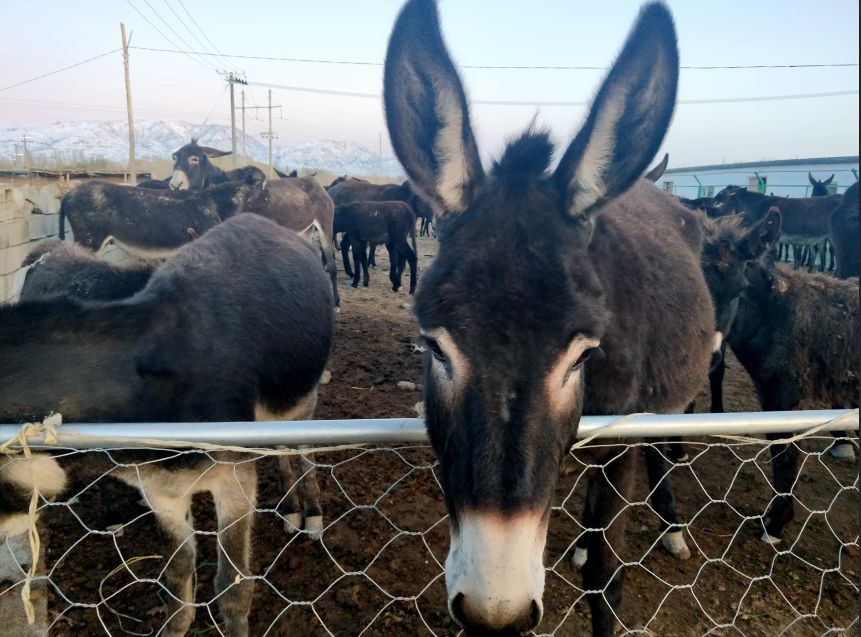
column 699, row 187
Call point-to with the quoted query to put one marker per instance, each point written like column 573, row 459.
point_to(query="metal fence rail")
column 412, row 430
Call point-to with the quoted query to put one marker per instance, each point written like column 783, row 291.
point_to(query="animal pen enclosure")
column 378, row 568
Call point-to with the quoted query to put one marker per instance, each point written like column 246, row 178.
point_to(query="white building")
column 784, row 177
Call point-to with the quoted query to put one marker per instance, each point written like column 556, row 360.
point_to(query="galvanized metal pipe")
column 412, row 430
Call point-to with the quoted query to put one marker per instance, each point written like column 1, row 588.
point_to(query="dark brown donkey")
column 368, row 223
column 593, row 258
column 806, row 220
column 235, row 326
column 844, row 233
column 299, row 204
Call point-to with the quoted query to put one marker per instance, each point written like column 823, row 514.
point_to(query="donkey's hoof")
column 675, row 543
column 578, row 560
column 842, row 451
column 314, row 526
column 769, row 539
column 682, row 459
column 293, row 522
column 325, row 377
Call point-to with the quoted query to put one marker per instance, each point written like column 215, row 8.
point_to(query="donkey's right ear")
column 427, row 112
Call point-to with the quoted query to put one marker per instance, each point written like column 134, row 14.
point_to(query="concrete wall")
column 28, row 214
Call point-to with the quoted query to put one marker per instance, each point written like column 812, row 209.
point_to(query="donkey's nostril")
column 457, row 610
column 536, row 614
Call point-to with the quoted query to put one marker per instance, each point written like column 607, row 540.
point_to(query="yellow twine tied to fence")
column 45, row 428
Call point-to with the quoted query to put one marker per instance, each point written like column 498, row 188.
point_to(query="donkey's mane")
column 528, row 154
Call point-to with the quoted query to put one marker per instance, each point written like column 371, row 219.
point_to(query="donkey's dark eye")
column 193, row 160
column 578, row 364
column 435, row 349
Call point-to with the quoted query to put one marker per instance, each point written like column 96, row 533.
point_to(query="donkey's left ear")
column 762, row 236
column 629, row 116
column 427, row 112
column 212, row 153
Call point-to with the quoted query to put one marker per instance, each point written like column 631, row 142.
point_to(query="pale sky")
column 39, row 37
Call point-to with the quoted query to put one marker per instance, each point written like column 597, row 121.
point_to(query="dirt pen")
column 378, row 569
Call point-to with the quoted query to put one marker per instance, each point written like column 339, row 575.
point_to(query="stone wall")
column 28, row 214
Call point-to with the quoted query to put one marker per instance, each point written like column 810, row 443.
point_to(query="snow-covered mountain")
column 157, row 139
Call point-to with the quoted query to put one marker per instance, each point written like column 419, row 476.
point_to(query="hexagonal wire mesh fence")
column 128, row 561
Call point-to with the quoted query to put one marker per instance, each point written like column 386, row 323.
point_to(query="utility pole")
column 269, row 134
column 133, row 176
column 244, row 156
column 24, row 140
column 232, row 79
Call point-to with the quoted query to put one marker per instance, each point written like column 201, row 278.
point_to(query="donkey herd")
column 618, row 297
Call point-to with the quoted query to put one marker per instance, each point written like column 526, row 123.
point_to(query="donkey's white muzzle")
column 494, row 572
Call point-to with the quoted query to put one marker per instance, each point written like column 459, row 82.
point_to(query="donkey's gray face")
column 191, row 166
column 512, row 307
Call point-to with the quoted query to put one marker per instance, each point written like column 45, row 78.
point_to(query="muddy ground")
column 378, row 569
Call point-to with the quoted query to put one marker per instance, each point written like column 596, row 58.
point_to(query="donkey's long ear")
column 212, row 153
column 629, row 117
column 761, row 236
column 655, row 173
column 427, row 112
column 813, row 182
column 828, row 181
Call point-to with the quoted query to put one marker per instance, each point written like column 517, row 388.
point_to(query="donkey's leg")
column 235, row 499
column 174, row 516
column 304, row 496
column 395, row 271
column 372, row 255
column 345, row 254
column 413, row 260
column 785, row 461
column 310, row 491
column 290, row 506
column 358, row 253
column 601, row 574
column 364, row 256
column 843, row 447
column 664, row 503
column 716, row 375
column 587, row 518
column 327, row 247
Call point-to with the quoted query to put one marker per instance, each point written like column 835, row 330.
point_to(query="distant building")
column 783, row 177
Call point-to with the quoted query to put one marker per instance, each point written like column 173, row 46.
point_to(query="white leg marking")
column 314, row 526
column 717, row 342
column 675, row 543
column 293, row 522
column 842, row 451
column 769, row 539
column 580, row 557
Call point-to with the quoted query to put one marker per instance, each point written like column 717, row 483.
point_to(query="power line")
column 174, row 31
column 721, row 100
column 205, row 37
column 65, row 68
column 509, row 67
column 159, row 31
